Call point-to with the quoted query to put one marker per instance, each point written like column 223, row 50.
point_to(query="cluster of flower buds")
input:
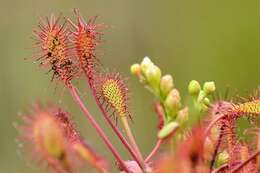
column 163, row 89
column 149, row 74
column 200, row 96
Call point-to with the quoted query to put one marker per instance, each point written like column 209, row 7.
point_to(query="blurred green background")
column 205, row 40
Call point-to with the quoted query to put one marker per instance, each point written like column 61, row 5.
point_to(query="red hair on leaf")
column 86, row 36
column 54, row 49
column 112, row 94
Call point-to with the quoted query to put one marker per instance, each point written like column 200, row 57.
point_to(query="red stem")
column 75, row 95
column 221, row 168
column 216, row 148
column 159, row 112
column 237, row 168
column 131, row 137
column 154, row 151
column 116, row 130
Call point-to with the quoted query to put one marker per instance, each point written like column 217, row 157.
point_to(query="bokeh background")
column 205, row 40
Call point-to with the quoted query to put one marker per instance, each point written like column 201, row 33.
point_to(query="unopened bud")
column 194, row 87
column 172, row 101
column 153, row 75
column 206, row 101
column 166, row 84
column 201, row 96
column 167, row 130
column 146, row 63
column 136, row 69
column 223, row 157
column 209, row 87
column 183, row 115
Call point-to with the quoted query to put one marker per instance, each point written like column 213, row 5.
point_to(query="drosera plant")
column 209, row 144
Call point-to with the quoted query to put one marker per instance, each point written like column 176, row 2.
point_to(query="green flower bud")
column 167, row 130
column 206, row 101
column 201, row 96
column 136, row 69
column 146, row 64
column 194, row 87
column 222, row 158
column 209, row 87
column 153, row 75
column 183, row 115
column 173, row 101
column 166, row 84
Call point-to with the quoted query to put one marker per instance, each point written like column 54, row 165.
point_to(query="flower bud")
column 153, row 75
column 206, row 101
column 166, row 84
column 183, row 115
column 223, row 157
column 201, row 96
column 194, row 87
column 209, row 87
column 146, row 63
column 172, row 101
column 167, row 130
column 136, row 69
